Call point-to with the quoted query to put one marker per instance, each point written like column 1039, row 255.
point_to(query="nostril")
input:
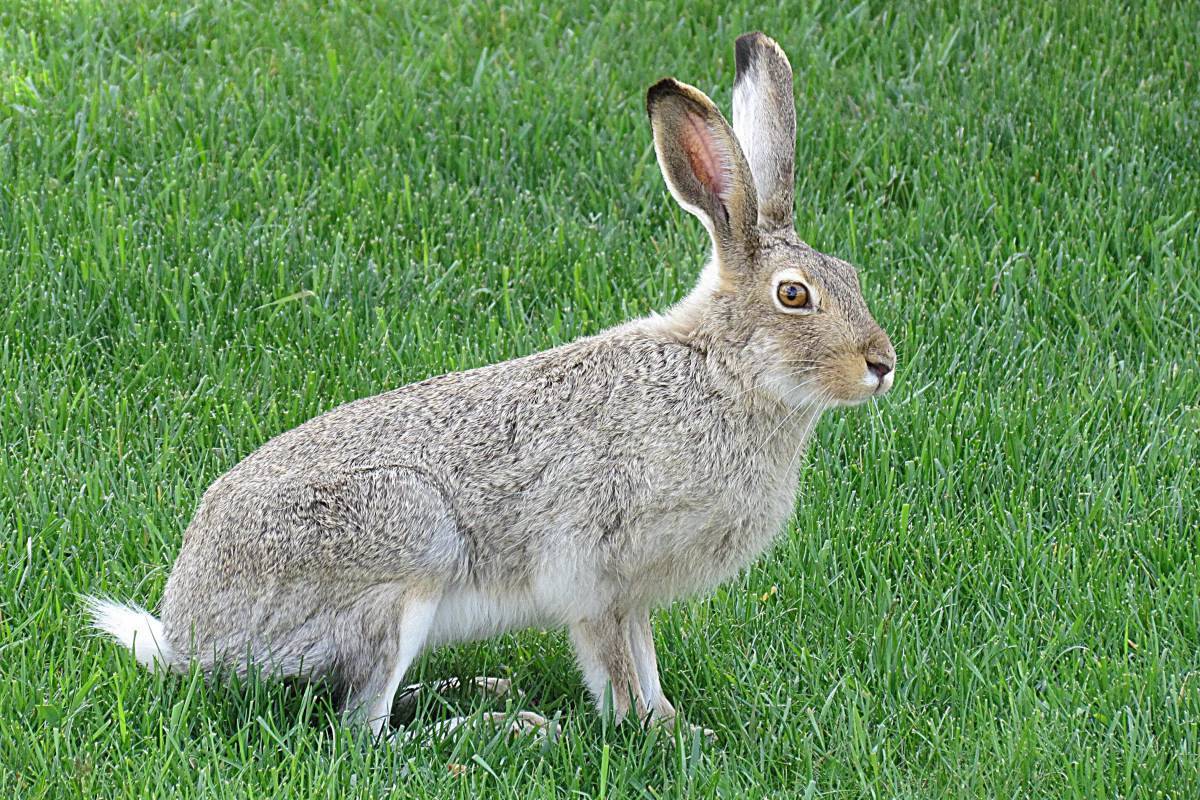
column 879, row 368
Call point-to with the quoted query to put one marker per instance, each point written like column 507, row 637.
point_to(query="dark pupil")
column 791, row 292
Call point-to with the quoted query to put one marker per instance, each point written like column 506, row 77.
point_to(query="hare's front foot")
column 665, row 718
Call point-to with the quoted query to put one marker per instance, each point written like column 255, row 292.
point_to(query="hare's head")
column 798, row 313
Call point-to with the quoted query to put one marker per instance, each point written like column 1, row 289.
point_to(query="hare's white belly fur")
column 553, row 598
column 675, row 561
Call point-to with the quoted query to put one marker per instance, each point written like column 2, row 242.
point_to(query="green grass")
column 219, row 219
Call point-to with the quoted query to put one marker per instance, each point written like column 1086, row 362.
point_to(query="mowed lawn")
column 220, row 219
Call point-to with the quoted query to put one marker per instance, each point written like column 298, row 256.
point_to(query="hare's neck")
column 788, row 433
column 687, row 316
column 780, row 427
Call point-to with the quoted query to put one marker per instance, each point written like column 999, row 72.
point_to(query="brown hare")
column 581, row 487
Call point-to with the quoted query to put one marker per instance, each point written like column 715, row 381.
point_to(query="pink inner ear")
column 708, row 165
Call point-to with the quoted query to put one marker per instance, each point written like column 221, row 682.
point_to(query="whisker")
column 802, row 447
column 758, row 384
column 767, row 439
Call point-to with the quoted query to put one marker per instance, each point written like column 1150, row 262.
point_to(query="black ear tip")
column 754, row 38
column 746, row 49
column 660, row 89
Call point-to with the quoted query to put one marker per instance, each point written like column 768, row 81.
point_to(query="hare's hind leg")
column 392, row 525
column 373, row 681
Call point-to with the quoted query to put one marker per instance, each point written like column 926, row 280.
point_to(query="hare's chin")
column 869, row 392
column 849, row 402
column 867, row 388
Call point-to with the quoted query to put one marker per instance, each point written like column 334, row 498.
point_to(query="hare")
column 583, row 486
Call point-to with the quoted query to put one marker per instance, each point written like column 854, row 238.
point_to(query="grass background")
column 218, row 219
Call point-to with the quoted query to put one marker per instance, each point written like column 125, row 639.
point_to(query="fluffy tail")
column 134, row 627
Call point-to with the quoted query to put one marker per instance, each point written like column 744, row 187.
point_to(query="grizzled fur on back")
column 581, row 487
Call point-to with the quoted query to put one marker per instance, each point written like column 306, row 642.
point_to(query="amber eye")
column 792, row 294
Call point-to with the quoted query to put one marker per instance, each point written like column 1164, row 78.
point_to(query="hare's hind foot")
column 406, row 698
column 518, row 723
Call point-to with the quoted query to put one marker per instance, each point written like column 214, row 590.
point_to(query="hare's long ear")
column 704, row 168
column 764, row 118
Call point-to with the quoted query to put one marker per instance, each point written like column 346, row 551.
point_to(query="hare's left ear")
column 764, row 119
column 705, row 169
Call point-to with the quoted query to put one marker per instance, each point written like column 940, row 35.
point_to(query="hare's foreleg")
column 604, row 649
column 645, row 660
column 378, row 673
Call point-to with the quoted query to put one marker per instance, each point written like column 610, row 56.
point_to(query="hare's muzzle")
column 880, row 358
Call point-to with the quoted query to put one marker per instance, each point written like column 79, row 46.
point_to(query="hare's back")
column 598, row 392
column 511, row 453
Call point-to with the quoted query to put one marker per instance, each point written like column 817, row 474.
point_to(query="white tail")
column 134, row 627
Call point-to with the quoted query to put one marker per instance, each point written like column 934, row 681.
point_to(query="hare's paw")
column 519, row 723
column 484, row 685
column 670, row 722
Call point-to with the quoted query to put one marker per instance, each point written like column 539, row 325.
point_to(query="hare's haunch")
column 579, row 487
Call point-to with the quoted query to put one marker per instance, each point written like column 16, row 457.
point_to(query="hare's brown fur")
column 580, row 487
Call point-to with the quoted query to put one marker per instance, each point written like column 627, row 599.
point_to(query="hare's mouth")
column 850, row 384
column 880, row 384
column 837, row 382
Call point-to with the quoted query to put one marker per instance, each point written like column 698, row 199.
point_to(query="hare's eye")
column 792, row 294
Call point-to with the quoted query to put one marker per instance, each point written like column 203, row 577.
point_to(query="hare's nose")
column 879, row 368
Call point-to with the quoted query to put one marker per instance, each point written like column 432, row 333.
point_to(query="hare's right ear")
column 764, row 118
column 704, row 167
